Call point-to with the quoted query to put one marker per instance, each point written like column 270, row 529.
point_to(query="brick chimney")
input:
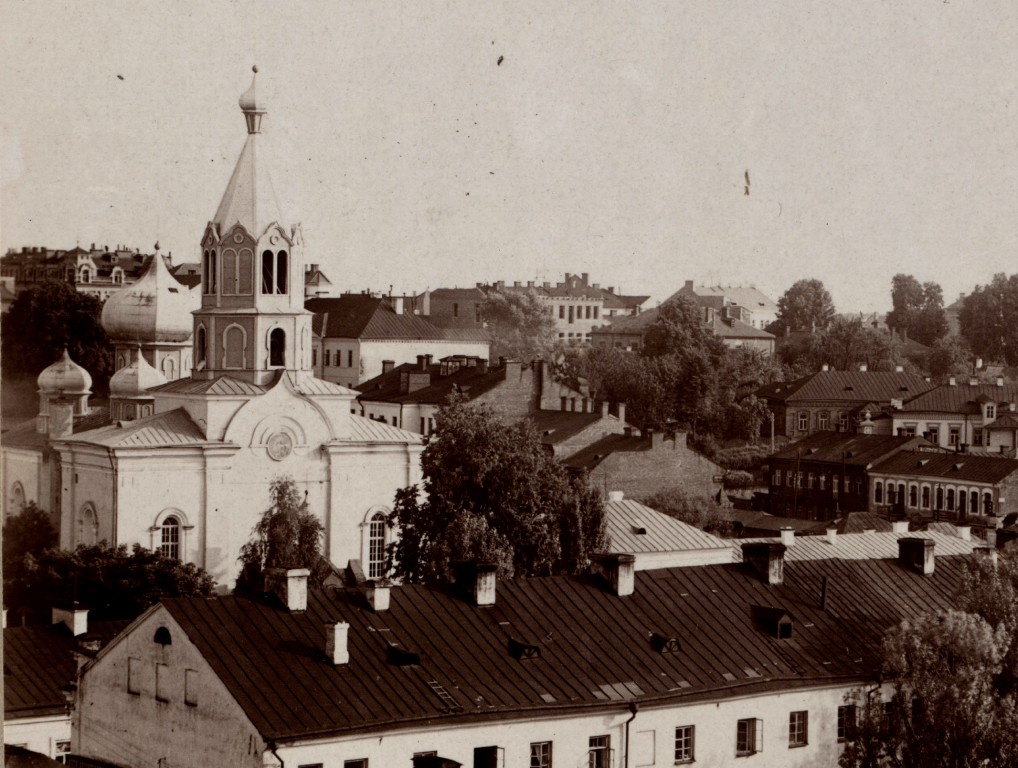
column 377, row 591
column 917, row 554
column 767, row 559
column 477, row 580
column 290, row 585
column 618, row 569
column 336, row 648
column 388, row 365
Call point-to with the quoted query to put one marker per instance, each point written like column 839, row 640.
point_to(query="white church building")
column 185, row 464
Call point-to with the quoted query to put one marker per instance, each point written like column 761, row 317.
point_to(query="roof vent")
column 616, row 495
column 665, row 644
column 401, row 657
column 957, row 466
column 922, row 462
column 618, row 569
column 767, row 558
column 777, row 622
column 522, row 651
column 917, row 554
column 639, row 530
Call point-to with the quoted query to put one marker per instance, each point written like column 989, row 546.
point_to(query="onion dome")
column 155, row 309
column 132, row 380
column 65, row 377
column 249, row 105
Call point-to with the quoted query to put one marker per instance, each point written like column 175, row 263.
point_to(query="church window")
column 200, row 347
column 234, row 341
column 376, row 546
column 277, row 347
column 17, row 499
column 244, row 267
column 229, row 272
column 88, row 526
column 169, row 544
column 267, row 280
column 169, row 369
column 281, row 272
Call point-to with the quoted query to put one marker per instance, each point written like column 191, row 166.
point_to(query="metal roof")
column 163, row 429
column 595, row 648
column 357, row 316
column 962, row 467
column 848, row 387
column 874, row 545
column 625, row 519
column 368, row 430
column 386, row 387
column 221, row 385
column 852, row 448
column 962, row 398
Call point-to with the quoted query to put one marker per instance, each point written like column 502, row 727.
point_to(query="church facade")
column 185, row 465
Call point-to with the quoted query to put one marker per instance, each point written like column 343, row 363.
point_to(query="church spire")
column 249, row 105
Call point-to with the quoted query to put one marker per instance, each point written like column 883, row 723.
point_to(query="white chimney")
column 397, row 305
column 378, row 592
column 336, row 649
column 75, row 619
column 290, row 585
column 965, row 532
column 951, row 381
column 616, row 495
column 788, row 536
column 825, row 367
column 619, row 569
column 862, row 368
column 832, row 535
column 899, row 526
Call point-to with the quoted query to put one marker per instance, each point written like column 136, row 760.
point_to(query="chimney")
column 1000, row 381
column 899, row 526
column 862, row 368
column 290, row 585
column 397, row 305
column 482, row 366
column 517, row 284
column 825, row 367
column 767, row 558
column 584, row 276
column 336, row 648
column 788, row 536
column 832, row 535
column 917, row 554
column 627, row 431
column 616, row 495
column 688, row 285
column 478, row 580
column 377, row 591
column 422, row 362
column 965, row 532
column 74, row 618
column 426, row 303
column 604, row 409
column 428, row 359
column 618, row 569
column 951, row 381
column 622, row 412
column 973, row 381
column 388, row 365
column 657, row 438
column 530, row 283
column 899, row 369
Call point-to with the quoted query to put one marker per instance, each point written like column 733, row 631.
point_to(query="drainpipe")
column 634, row 707
column 272, row 749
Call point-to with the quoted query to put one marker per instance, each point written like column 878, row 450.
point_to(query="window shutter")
column 758, row 736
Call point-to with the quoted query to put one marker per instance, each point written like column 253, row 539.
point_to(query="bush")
column 737, row 478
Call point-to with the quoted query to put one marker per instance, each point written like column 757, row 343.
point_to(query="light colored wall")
column 368, row 355
column 38, row 734
column 136, row 729
column 28, row 468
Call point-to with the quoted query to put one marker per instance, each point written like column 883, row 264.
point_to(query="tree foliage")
column 112, row 582
column 519, row 325
column 845, row 343
column 948, row 355
column 492, row 493
column 918, row 309
column 699, row 511
column 48, row 317
column 805, row 306
column 989, row 319
column 287, row 535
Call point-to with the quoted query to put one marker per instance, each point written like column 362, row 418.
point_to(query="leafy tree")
column 680, row 329
column 287, row 535
column 948, row 355
column 805, row 306
column 26, row 536
column 702, row 512
column 48, row 317
column 918, row 309
column 989, row 319
column 520, row 326
column 492, row 493
column 112, row 582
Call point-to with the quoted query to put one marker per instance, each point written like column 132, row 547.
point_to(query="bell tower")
column 252, row 322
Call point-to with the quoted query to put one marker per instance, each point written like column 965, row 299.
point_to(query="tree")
column 699, row 511
column 805, row 306
column 520, row 326
column 48, row 317
column 492, row 493
column 26, row 536
column 287, row 535
column 112, row 582
column 948, row 355
column 918, row 309
column 989, row 319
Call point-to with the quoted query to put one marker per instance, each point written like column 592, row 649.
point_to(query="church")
column 184, row 464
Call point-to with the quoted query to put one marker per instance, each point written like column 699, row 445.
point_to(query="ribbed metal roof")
column 626, row 518
column 948, row 467
column 221, row 385
column 962, row 398
column 879, row 545
column 848, row 386
column 163, row 429
column 852, row 448
column 595, row 648
column 369, row 430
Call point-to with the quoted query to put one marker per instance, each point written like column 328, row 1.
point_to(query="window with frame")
column 777, row 477
column 311, row 765
column 878, row 492
column 803, row 421
column 599, row 752
column 169, row 537
column 926, row 497
column 910, row 430
column 359, row 763
column 798, row 727
column 846, row 721
column 810, row 480
column 376, row 546
column 977, row 436
column 748, row 737
column 913, row 496
column 991, row 412
column 349, row 358
column 824, row 420
column 954, row 436
column 540, row 754
column 685, row 742
column 933, row 430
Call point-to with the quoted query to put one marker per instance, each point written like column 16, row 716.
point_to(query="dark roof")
column 949, row 466
column 356, row 316
column 19, row 757
column 860, row 522
column 594, row 647
column 470, row 380
column 752, row 520
column 847, row 386
column 1004, row 421
column 589, row 457
column 849, row 447
column 962, row 398
column 38, row 661
column 557, row 426
column 732, row 328
column 452, row 294
column 26, row 436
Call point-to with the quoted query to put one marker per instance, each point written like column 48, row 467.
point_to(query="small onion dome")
column 65, row 377
column 155, row 309
column 132, row 380
column 249, row 100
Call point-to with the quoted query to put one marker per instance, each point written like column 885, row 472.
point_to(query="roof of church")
column 221, row 385
column 365, row 429
column 311, row 385
column 170, row 428
column 155, row 308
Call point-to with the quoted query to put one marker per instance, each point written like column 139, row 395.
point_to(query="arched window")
column 974, row 503
column 277, row 347
column 88, row 526
column 281, row 272
column 961, row 501
column 244, row 272
column 17, row 499
column 987, row 503
column 169, row 369
column 267, row 278
column 86, row 276
column 940, row 498
column 950, row 498
column 234, row 341
column 878, row 492
column 376, row 546
column 229, row 271
column 200, row 347
column 913, row 496
column 169, row 542
column 926, row 497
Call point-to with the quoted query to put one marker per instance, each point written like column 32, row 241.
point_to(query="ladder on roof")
column 451, row 704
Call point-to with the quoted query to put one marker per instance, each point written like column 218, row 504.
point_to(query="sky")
column 613, row 138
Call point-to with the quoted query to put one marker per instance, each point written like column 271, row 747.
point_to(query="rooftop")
column 962, row 398
column 850, row 448
column 949, row 467
column 847, row 386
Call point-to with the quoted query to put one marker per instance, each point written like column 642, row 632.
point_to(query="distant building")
column 315, row 282
column 451, row 307
column 754, row 307
column 355, row 334
column 98, row 271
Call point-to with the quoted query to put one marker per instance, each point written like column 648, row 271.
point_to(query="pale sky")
column 880, row 137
